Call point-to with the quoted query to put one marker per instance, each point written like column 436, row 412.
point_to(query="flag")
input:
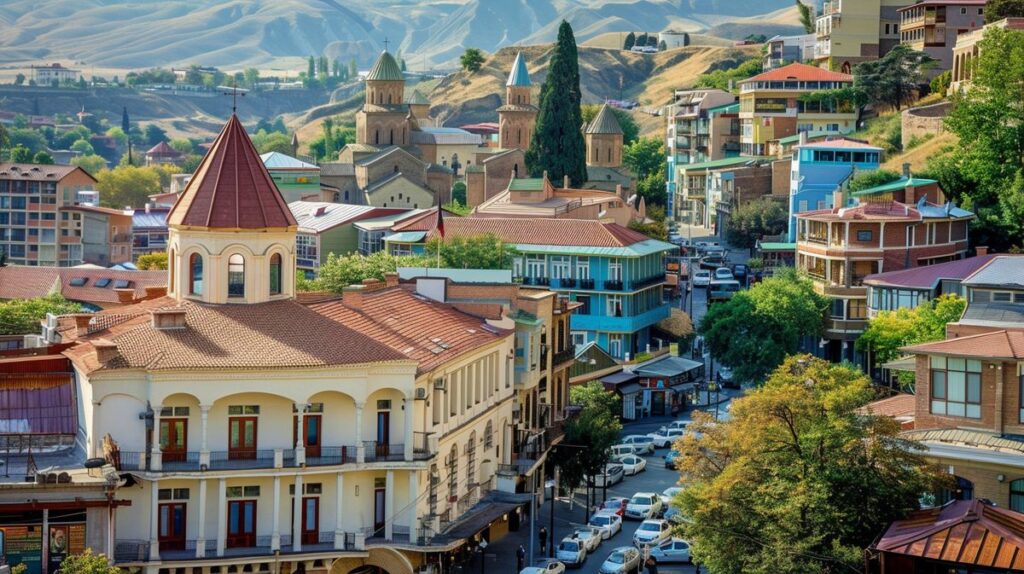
column 440, row 222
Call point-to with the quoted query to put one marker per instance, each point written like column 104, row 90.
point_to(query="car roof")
column 643, row 494
column 653, row 521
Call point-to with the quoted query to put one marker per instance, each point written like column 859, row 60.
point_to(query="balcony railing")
column 376, row 452
column 331, row 455
column 586, row 283
column 563, row 357
column 138, row 550
column 242, row 459
column 648, row 282
column 613, row 285
column 421, row 447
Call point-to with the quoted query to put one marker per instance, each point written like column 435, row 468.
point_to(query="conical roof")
column 385, row 69
column 519, row 75
column 417, row 99
column 231, row 189
column 605, row 122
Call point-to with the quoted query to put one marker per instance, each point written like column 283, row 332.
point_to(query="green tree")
column 996, row 10
column 630, row 129
column 182, row 145
column 81, row 83
column 893, row 80
column 472, row 60
column 662, row 46
column 459, row 192
column 940, row 84
column 273, row 141
column 873, row 178
column 22, row 316
column 751, row 221
column 597, row 426
column 481, row 252
column 90, row 163
column 652, row 188
column 353, row 69
column 83, row 146
column 629, row 42
column 43, row 158
column 29, row 138
column 19, row 79
column 5, row 139
column 152, row 261
column 87, row 563
column 154, row 134
column 557, row 145
column 888, row 331
column 644, row 156
column 127, row 185
column 252, row 77
column 720, row 78
column 757, row 328
column 191, row 163
column 798, row 481
column 652, row 229
column 311, row 68
column 119, row 135
column 21, row 154
column 641, row 40
column 340, row 271
column 806, row 16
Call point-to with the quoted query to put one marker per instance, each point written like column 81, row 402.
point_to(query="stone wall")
column 919, row 122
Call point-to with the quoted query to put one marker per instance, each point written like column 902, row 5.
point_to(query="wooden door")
column 241, row 524
column 310, row 435
column 310, row 520
column 383, row 433
column 242, row 438
column 173, row 439
column 379, row 516
column 172, row 518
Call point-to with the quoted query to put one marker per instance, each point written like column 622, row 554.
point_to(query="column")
column 297, row 515
column 96, row 444
column 154, row 517
column 222, row 515
column 360, row 447
column 389, row 506
column 201, row 530
column 300, row 434
column 204, row 447
column 339, row 513
column 410, row 404
column 154, row 446
column 275, row 534
column 414, row 487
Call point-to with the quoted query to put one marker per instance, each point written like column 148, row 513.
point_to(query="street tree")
column 644, row 156
column 127, row 185
column 799, row 480
column 596, row 427
column 22, row 316
column 485, row 251
column 752, row 332
column 472, row 60
column 751, row 221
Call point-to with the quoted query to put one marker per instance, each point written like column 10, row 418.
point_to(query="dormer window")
column 236, row 276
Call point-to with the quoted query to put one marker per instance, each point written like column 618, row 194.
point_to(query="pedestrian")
column 652, row 565
column 543, row 536
column 520, row 557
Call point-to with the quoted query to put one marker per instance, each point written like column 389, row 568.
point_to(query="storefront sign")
column 23, row 545
column 771, row 106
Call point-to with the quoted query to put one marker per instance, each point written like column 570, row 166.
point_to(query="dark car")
column 740, row 271
column 712, row 262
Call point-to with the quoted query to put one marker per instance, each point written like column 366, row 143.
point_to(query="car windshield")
column 641, row 500
column 581, row 533
column 649, row 527
column 600, row 521
column 617, row 557
column 569, row 547
column 613, row 504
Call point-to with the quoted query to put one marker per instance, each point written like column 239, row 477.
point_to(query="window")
column 236, row 276
column 864, row 235
column 1017, row 495
column 837, row 308
column 956, row 387
column 614, row 270
column 174, row 412
column 560, row 267
column 858, row 309
column 579, row 338
column 584, row 301
column 275, row 274
column 583, row 268
column 535, row 266
column 195, row 273
column 243, row 410
column 614, row 306
column 615, row 345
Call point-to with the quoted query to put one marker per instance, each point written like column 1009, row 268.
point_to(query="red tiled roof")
column 896, row 406
column 418, row 328
column 967, row 532
column 928, row 276
column 890, row 211
column 231, row 189
column 18, row 282
column 801, row 72
column 162, row 149
column 524, row 231
column 34, row 171
column 425, row 221
column 994, row 345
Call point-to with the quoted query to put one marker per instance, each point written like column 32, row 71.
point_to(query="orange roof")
column 896, row 406
column 964, row 532
column 800, row 72
column 544, row 231
column 995, row 345
column 231, row 189
column 429, row 332
column 27, row 282
column 37, row 171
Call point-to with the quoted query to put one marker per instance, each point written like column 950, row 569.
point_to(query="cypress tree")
column 630, row 41
column 126, row 127
column 557, row 145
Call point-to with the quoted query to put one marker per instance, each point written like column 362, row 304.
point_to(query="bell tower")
column 382, row 119
column 517, row 117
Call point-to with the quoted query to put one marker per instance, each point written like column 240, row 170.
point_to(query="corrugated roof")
column 605, row 122
column 995, row 345
column 667, row 366
column 317, row 216
column 1004, row 271
column 899, row 184
column 154, row 219
column 800, row 72
column 928, row 276
column 406, row 237
column 278, row 160
column 385, row 69
column 776, row 246
column 519, row 76
column 810, row 136
column 386, row 221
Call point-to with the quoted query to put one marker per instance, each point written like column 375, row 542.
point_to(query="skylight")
column 122, row 284
column 78, row 281
column 103, row 282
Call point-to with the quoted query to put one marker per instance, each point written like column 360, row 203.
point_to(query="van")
column 722, row 290
column 622, row 450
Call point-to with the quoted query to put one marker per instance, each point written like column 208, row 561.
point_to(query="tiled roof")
column 33, row 171
column 995, row 345
column 95, row 209
column 417, row 99
column 800, row 72
column 231, row 189
column 428, row 332
column 27, row 282
column 272, row 335
column 1003, row 271
column 840, row 143
column 519, row 75
column 558, row 232
column 928, row 276
column 962, row 532
column 896, row 406
column 605, row 122
column 385, row 69
column 278, row 160
column 162, row 149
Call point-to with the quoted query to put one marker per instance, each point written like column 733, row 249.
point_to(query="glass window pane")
column 973, row 366
column 939, row 384
column 956, row 364
column 938, row 362
column 939, row 407
column 956, row 386
column 955, row 409
column 974, row 411
column 974, row 388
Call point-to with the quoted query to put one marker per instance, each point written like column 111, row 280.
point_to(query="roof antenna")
column 234, row 93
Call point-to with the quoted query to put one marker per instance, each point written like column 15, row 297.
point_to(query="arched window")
column 489, row 435
column 275, row 274
column 173, row 267
column 1017, row 495
column 195, row 274
column 453, row 471
column 236, row 276
column 609, row 155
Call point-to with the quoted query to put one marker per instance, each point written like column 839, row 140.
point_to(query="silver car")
column 622, row 560
column 608, row 523
column 674, row 550
column 571, row 552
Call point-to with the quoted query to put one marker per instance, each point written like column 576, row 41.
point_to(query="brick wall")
column 781, row 172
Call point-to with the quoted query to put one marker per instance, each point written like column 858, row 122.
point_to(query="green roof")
column 520, row 76
column 810, row 136
column 406, row 237
column 417, row 99
column 726, row 109
column 773, row 246
column 605, row 122
column 901, row 183
column 715, row 164
column 527, row 184
column 647, row 247
column 385, row 69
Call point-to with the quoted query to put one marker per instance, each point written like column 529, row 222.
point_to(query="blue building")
column 615, row 273
column 822, row 167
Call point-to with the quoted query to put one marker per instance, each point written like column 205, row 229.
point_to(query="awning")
column 406, row 237
column 908, row 363
column 629, row 388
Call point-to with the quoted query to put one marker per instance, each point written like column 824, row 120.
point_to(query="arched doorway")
column 962, row 489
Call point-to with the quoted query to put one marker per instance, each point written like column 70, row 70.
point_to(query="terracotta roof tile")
column 800, row 72
column 996, row 345
column 37, row 172
column 896, row 406
column 27, row 282
column 524, row 231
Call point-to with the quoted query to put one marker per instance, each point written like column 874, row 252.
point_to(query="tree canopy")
column 644, row 156
column 472, row 60
column 751, row 221
column 806, row 16
column 127, row 185
column 996, row 10
column 87, row 563
column 752, row 332
column 894, row 78
column 873, row 178
column 340, row 271
column 798, row 481
column 22, row 316
column 720, row 78
column 481, row 252
column 152, row 261
column 597, row 426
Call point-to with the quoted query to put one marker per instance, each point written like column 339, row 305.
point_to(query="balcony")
column 377, row 452
column 586, row 283
column 613, row 285
column 332, row 455
column 625, row 324
column 138, row 550
column 191, row 461
column 563, row 357
column 566, row 283
column 648, row 282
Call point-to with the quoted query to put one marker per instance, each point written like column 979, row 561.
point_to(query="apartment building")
column 702, row 125
column 297, row 180
column 967, row 49
column 908, row 288
column 691, row 204
column 326, row 228
column 933, row 26
column 853, row 31
column 784, row 50
column 106, row 234
column 35, row 226
column 540, row 198
column 772, row 107
column 149, row 230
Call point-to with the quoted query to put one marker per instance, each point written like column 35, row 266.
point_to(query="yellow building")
column 853, row 31
column 771, row 106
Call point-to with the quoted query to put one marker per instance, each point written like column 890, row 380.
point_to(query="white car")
column 723, row 274
column 613, row 473
column 571, row 552
column 546, row 566
column 622, row 561
column 620, row 450
column 644, row 505
column 590, row 537
column 608, row 523
column 673, row 550
column 701, row 278
column 643, row 443
column 666, row 437
column 652, row 533
column 675, row 425
column 669, row 493
column 633, row 464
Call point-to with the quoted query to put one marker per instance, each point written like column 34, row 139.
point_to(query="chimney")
column 837, row 199
column 372, row 284
column 565, row 182
column 168, row 319
column 155, row 292
column 803, row 138
column 352, row 296
column 82, row 323
column 906, row 170
column 106, row 350
column 391, row 279
column 125, row 296
column 981, row 250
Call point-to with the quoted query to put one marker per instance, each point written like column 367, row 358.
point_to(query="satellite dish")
column 602, row 214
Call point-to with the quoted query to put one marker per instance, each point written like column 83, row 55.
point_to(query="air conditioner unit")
column 421, row 393
column 440, row 384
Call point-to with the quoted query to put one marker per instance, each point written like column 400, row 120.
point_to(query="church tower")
column 604, row 139
column 517, row 117
column 231, row 234
column 382, row 121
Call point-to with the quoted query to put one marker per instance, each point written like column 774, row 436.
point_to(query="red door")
column 241, row 524
column 311, row 434
column 172, row 526
column 173, row 439
column 242, row 438
column 310, row 520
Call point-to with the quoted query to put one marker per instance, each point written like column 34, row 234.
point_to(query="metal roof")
column 724, row 162
column 635, row 250
column 386, row 221
column 901, row 183
column 385, row 69
column 319, row 216
column 667, row 366
column 527, row 184
column 520, row 76
column 406, row 237
column 605, row 122
column 278, row 160
column 928, row 276
column 1002, row 271
column 994, row 314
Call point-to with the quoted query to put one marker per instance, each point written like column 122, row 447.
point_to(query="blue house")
column 820, row 168
column 615, row 273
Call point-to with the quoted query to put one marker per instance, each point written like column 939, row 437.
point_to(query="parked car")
column 590, row 536
column 681, row 425
column 705, row 245
column 613, row 473
column 712, row 261
column 615, row 504
column 672, row 551
column 669, row 493
column 633, row 464
column 725, row 375
column 571, row 552
column 670, row 459
column 622, row 560
column 701, row 278
column 644, row 505
column 740, row 271
column 676, row 239
column 675, row 516
column 546, row 566
column 609, row 523
column 643, row 443
column 722, row 290
column 666, row 437
column 651, row 532
column 621, row 450
column 723, row 273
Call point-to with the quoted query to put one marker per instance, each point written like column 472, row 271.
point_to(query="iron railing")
column 332, row 455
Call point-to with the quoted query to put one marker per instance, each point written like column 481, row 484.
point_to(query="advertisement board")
column 770, row 105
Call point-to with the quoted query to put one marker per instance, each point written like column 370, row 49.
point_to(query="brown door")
column 379, row 515
column 173, row 439
column 311, row 434
column 172, row 526
column 241, row 524
column 310, row 520
column 383, row 433
column 242, row 438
